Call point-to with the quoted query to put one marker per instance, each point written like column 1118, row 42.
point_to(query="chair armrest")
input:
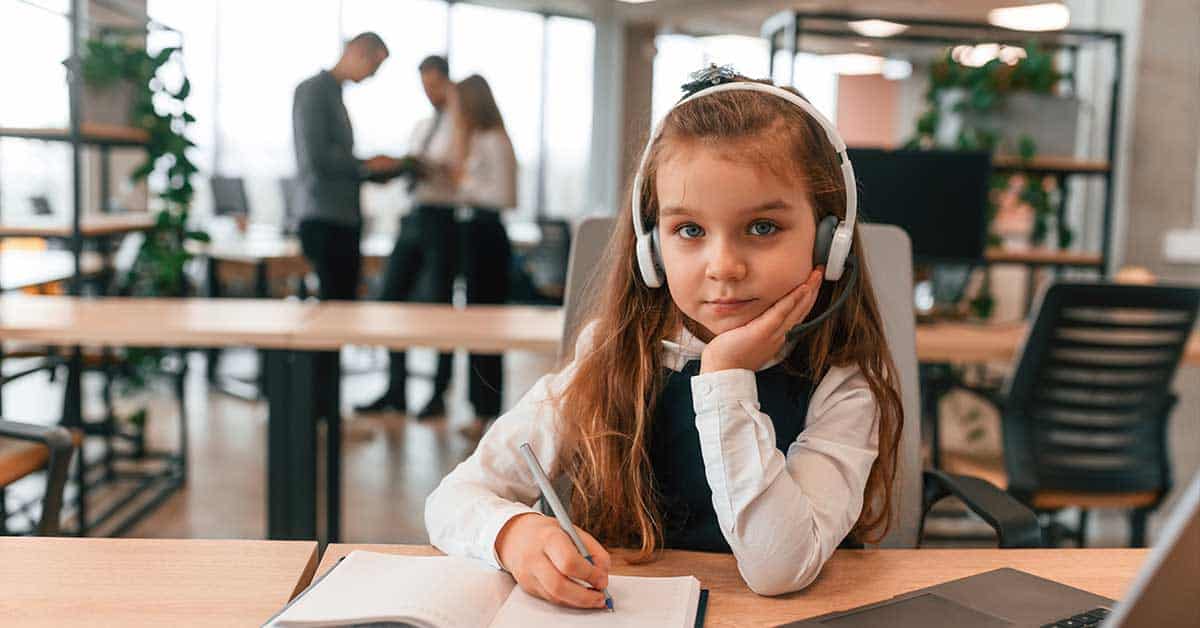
column 1014, row 523
column 58, row 440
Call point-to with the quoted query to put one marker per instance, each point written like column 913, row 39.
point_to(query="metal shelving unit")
column 792, row 32
column 104, row 138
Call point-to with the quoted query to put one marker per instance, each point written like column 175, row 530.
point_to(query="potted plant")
column 120, row 64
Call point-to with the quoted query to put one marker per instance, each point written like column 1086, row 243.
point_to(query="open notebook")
column 448, row 592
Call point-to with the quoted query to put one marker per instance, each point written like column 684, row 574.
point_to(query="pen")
column 560, row 512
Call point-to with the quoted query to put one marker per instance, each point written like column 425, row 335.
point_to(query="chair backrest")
column 888, row 258
column 547, row 261
column 1087, row 406
column 583, row 280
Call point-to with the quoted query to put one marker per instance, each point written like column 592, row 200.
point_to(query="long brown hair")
column 609, row 404
column 477, row 111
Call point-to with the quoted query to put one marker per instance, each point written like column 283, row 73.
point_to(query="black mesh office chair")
column 25, row 449
column 1085, row 417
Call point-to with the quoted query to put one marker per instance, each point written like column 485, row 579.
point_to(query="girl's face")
column 735, row 238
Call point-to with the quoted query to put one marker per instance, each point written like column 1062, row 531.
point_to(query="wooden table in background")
column 852, row 577
column 975, row 342
column 149, row 582
column 90, row 226
column 477, row 328
column 130, row 322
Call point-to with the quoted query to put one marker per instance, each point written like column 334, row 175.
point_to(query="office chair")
column 26, row 449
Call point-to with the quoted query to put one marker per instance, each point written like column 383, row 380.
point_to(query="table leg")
column 291, row 447
column 333, row 452
column 213, row 355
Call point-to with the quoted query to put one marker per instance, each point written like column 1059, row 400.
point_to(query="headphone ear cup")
column 656, row 249
column 824, row 240
column 649, row 260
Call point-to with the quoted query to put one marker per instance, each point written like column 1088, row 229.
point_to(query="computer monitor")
column 939, row 197
column 229, row 197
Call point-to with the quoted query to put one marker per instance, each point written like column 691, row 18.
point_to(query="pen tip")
column 608, row 604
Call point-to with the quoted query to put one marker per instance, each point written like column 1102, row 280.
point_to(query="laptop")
column 1164, row 593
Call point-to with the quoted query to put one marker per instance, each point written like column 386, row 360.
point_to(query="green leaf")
column 1027, row 147
column 184, row 90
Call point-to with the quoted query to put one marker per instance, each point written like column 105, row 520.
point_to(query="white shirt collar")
column 687, row 347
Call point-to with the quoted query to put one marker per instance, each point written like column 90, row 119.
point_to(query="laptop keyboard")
column 1090, row 618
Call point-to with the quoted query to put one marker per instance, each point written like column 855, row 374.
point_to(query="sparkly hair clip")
column 707, row 77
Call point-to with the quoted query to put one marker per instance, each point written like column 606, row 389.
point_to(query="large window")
column 33, row 43
column 386, row 107
column 505, row 47
column 568, row 116
column 539, row 67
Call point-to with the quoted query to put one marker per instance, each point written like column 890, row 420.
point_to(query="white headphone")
column 833, row 238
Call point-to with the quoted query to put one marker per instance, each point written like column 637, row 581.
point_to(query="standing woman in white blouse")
column 485, row 171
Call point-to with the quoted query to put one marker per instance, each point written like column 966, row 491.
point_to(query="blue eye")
column 689, row 231
column 763, row 228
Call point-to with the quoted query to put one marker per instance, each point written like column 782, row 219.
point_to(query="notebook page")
column 637, row 602
column 434, row 591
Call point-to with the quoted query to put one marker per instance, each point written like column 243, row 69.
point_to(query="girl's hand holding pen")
column 544, row 561
column 755, row 343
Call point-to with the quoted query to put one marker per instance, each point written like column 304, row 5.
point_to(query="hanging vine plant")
column 110, row 61
column 162, row 113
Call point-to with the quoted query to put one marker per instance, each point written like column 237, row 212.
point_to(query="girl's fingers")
column 572, row 564
column 775, row 316
column 599, row 554
column 562, row 590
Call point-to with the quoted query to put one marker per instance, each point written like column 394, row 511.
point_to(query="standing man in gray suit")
column 328, row 180
column 328, row 173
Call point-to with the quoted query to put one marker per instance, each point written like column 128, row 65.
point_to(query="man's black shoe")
column 383, row 404
column 436, row 408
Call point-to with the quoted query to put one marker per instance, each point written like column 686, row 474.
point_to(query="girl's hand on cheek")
column 757, row 342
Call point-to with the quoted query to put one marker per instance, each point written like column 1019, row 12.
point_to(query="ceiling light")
column 977, row 56
column 1049, row 16
column 635, row 1
column 877, row 28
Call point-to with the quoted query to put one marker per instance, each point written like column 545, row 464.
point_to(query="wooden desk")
column 151, row 322
column 149, row 582
column 973, row 343
column 852, row 577
column 90, row 226
column 477, row 328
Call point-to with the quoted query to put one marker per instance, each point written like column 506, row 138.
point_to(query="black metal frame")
column 58, row 441
column 784, row 32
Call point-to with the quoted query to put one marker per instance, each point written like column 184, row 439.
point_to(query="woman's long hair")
column 608, row 406
column 476, row 112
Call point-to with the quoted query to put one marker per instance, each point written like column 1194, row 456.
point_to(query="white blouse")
column 490, row 172
column 783, row 515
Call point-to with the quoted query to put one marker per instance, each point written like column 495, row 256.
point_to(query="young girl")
column 691, row 416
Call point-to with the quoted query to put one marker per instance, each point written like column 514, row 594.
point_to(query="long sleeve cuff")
column 730, row 385
column 487, row 535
